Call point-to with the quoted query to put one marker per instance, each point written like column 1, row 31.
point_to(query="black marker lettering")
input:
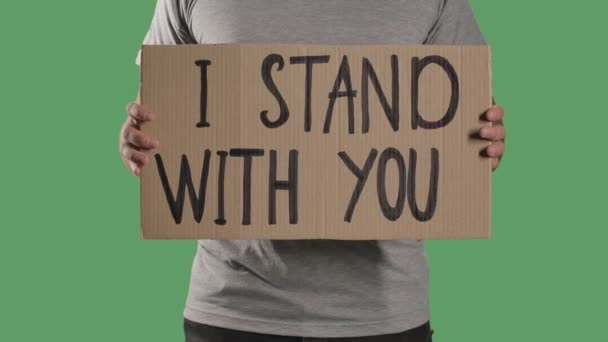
column 390, row 212
column 221, row 220
column 247, row 155
column 361, row 175
column 176, row 204
column 267, row 64
column 291, row 185
column 417, row 68
column 392, row 113
column 203, row 64
column 309, row 61
column 343, row 76
column 431, row 202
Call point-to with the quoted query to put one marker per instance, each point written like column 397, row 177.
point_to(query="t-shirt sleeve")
column 455, row 25
column 169, row 25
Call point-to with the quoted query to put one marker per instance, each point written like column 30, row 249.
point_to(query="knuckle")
column 135, row 137
column 126, row 133
column 495, row 133
column 125, row 151
column 132, row 108
column 501, row 132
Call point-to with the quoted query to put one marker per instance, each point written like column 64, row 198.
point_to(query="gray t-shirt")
column 313, row 288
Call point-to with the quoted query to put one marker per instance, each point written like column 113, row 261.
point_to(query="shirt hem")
column 304, row 329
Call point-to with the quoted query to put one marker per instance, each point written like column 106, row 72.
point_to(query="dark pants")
column 196, row 332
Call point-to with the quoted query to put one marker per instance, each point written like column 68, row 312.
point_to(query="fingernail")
column 155, row 143
column 491, row 151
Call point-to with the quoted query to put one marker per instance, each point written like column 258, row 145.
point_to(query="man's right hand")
column 132, row 141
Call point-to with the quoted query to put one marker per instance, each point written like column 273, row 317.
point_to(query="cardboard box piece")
column 277, row 141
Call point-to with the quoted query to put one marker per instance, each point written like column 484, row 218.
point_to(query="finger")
column 495, row 163
column 495, row 113
column 139, row 112
column 496, row 150
column 494, row 133
column 134, row 168
column 134, row 136
column 132, row 155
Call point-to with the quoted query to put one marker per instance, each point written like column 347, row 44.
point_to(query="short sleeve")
column 169, row 25
column 455, row 25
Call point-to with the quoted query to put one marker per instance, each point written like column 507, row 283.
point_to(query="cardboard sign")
column 276, row 141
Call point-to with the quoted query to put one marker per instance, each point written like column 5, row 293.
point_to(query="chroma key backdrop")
column 74, row 267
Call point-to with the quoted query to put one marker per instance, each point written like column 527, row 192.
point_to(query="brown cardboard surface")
column 236, row 93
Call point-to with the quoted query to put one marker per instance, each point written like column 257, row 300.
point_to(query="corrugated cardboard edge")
column 141, row 100
column 490, row 190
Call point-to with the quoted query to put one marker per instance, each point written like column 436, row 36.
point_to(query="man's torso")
column 323, row 288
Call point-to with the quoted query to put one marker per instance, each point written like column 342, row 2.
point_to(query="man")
column 277, row 290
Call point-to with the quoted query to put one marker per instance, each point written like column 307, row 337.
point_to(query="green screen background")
column 72, row 264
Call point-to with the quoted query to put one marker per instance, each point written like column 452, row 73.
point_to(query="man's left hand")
column 495, row 134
